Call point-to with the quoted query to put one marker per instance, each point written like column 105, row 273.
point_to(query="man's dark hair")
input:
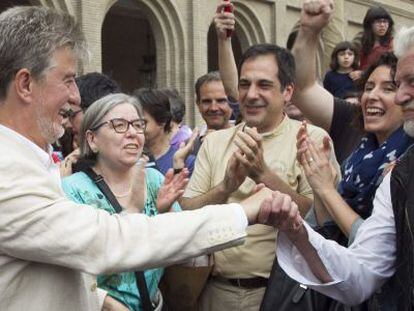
column 207, row 78
column 93, row 86
column 284, row 60
column 157, row 104
column 177, row 104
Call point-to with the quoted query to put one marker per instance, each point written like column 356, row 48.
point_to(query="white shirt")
column 356, row 271
column 45, row 157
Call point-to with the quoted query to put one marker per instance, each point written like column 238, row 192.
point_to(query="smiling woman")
column 383, row 142
column 112, row 138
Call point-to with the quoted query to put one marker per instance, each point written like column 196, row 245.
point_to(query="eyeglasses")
column 122, row 126
column 69, row 114
column 381, row 21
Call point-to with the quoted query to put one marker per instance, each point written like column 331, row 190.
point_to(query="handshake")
column 272, row 208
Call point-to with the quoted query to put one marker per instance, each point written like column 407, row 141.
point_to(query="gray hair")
column 404, row 40
column 29, row 35
column 94, row 116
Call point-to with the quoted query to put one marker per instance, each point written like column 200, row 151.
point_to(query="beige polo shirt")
column 255, row 257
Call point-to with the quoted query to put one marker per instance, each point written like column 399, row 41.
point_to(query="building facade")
column 170, row 43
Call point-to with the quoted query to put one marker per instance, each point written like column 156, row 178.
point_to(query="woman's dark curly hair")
column 388, row 60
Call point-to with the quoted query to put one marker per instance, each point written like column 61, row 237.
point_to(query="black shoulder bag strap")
column 139, row 275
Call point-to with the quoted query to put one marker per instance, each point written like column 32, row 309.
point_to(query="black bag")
column 139, row 275
column 285, row 294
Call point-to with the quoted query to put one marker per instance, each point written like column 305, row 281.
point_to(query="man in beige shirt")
column 233, row 161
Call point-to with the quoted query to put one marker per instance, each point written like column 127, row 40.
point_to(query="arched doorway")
column 212, row 48
column 128, row 47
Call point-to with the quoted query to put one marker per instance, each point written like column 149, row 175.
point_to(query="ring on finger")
column 310, row 160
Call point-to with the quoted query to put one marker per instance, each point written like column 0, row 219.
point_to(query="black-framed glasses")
column 69, row 114
column 122, row 126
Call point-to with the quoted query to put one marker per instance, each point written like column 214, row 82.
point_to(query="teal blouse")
column 121, row 286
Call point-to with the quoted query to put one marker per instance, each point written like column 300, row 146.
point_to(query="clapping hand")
column 251, row 155
column 319, row 171
column 185, row 149
column 172, row 189
column 236, row 173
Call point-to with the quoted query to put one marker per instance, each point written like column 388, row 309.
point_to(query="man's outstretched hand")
column 273, row 209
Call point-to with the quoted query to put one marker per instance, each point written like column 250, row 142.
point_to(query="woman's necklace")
column 123, row 195
column 118, row 196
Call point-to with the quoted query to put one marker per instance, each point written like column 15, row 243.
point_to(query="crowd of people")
column 295, row 182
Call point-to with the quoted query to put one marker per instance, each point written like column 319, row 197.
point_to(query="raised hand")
column 355, row 75
column 224, row 21
column 316, row 14
column 172, row 189
column 185, row 150
column 66, row 165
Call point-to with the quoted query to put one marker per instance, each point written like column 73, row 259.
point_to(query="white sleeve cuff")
column 101, row 296
column 295, row 265
column 241, row 215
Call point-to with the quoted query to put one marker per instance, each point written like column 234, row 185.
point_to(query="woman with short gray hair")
column 111, row 142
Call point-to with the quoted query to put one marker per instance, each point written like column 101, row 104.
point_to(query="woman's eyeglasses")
column 122, row 126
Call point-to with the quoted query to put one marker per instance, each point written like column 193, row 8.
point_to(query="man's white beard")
column 409, row 127
column 50, row 130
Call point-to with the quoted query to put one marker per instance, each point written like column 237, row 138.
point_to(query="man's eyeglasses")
column 122, row 126
column 69, row 114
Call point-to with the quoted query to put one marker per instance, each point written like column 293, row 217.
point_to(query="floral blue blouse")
column 121, row 286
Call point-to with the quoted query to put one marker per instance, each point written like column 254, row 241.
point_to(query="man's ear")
column 23, row 84
column 288, row 92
